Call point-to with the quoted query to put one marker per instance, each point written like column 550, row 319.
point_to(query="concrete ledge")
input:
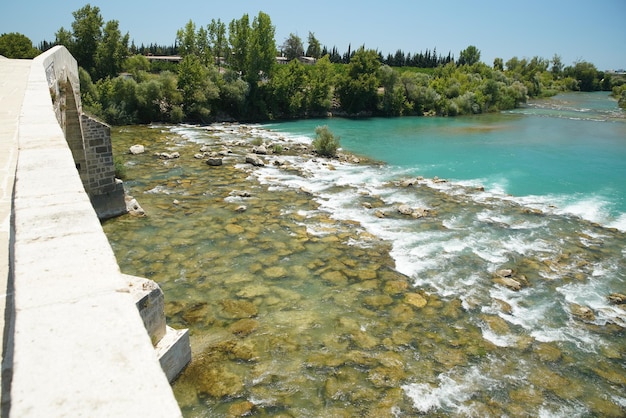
column 173, row 351
column 79, row 347
column 150, row 303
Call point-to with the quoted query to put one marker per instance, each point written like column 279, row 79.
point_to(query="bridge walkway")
column 13, row 81
column 73, row 341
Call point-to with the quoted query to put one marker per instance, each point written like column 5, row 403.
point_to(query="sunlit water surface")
column 320, row 299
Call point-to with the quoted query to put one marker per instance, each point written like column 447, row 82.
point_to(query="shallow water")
column 321, row 299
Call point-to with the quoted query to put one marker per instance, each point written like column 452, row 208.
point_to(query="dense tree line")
column 230, row 71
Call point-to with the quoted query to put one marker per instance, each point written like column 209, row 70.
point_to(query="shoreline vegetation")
column 237, row 72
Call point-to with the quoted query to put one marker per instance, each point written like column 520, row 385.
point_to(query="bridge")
column 79, row 337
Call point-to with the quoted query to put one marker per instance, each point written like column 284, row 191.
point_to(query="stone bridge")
column 79, row 337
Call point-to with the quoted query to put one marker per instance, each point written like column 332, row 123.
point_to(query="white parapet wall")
column 79, row 346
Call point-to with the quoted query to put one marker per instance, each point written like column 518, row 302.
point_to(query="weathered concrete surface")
column 172, row 346
column 13, row 79
column 79, row 346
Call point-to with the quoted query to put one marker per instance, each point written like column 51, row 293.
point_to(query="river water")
column 308, row 293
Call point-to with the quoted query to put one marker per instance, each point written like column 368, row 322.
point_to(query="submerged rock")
column 547, row 352
column 238, row 309
column 244, row 327
column 415, row 299
column 218, row 382
column 240, row 409
column 275, row 272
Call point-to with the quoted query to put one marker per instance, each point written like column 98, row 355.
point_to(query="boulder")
column 169, row 156
column 409, row 182
column 419, row 213
column 508, row 282
column 240, row 193
column 254, row 160
column 504, row 273
column 260, row 150
column 137, row 149
column 214, row 162
column 583, row 313
column 133, row 207
column 405, row 210
column 617, row 298
column 409, row 211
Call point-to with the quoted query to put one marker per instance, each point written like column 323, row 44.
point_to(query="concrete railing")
column 75, row 343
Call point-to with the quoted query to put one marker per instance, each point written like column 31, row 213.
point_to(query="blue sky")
column 575, row 30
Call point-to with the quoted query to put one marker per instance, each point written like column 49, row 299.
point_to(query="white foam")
column 437, row 259
column 619, row 223
column 496, row 339
column 450, row 394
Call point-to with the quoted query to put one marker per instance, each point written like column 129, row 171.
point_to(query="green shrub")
column 325, row 143
column 277, row 149
column 120, row 168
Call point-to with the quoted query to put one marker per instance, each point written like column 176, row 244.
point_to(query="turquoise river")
column 470, row 266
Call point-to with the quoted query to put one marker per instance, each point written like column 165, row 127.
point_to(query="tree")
column 197, row 89
column 288, row 89
column 357, row 90
column 262, row 49
column 292, row 47
column 186, row 39
column 138, row 66
column 469, row 56
column 321, row 80
column 16, row 45
column 217, row 39
column 203, row 46
column 393, row 98
column 239, row 38
column 498, row 64
column 557, row 66
column 313, row 49
column 233, row 93
column 64, row 37
column 87, row 33
column 586, row 74
column 111, row 51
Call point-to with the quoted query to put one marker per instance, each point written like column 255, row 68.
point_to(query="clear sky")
column 575, row 30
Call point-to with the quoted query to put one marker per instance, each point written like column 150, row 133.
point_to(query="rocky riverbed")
column 293, row 312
